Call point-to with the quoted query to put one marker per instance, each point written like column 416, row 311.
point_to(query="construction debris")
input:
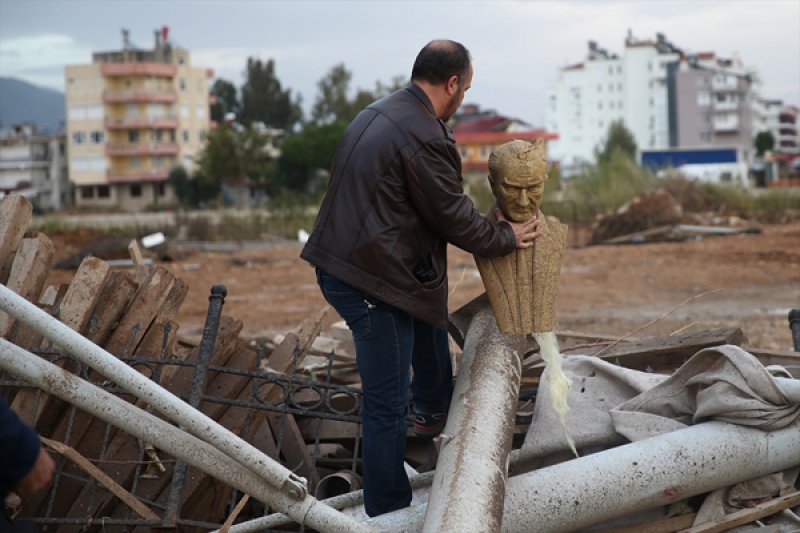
column 295, row 400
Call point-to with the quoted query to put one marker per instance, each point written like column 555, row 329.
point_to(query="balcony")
column 145, row 95
column 727, row 105
column 164, row 70
column 135, row 123
column 136, row 177
column 726, row 123
column 724, row 83
column 125, row 150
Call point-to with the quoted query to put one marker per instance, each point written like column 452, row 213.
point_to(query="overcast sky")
column 517, row 46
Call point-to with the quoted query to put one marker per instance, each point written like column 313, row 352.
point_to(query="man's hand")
column 39, row 476
column 525, row 232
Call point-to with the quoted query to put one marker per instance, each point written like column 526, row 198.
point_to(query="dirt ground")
column 749, row 281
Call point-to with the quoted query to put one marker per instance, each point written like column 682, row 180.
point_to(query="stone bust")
column 522, row 286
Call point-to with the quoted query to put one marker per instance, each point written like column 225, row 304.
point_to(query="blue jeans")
column 388, row 341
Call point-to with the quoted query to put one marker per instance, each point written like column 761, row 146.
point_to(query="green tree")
column 764, row 142
column 265, row 100
column 227, row 99
column 307, row 155
column 333, row 104
column 236, row 154
column 192, row 191
column 618, row 138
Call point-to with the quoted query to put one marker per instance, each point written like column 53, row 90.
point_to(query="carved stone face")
column 517, row 172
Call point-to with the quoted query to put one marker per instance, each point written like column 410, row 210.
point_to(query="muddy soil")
column 749, row 281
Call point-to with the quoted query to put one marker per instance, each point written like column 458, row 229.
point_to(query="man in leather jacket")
column 394, row 201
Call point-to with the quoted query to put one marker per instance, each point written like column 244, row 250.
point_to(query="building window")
column 136, row 190
column 483, row 150
column 79, row 137
column 201, row 135
column 133, row 162
column 463, row 151
column 610, row 86
column 599, row 105
column 161, row 190
column 133, row 136
column 184, row 111
column 98, row 137
column 182, row 84
column 157, row 135
column 87, row 193
column 201, row 111
column 186, row 136
column 158, row 161
column 703, row 98
column 181, row 59
column 103, row 191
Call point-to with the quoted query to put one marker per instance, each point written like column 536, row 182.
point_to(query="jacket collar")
column 414, row 89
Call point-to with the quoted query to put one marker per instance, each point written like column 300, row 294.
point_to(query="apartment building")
column 664, row 96
column 34, row 166
column 711, row 103
column 588, row 96
column 132, row 115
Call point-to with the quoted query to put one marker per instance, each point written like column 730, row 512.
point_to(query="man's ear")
column 452, row 85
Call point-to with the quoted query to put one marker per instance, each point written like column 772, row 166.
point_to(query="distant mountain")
column 21, row 101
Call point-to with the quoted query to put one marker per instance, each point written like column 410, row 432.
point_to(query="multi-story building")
column 132, row 115
column 587, row 97
column 34, row 166
column 666, row 98
column 711, row 103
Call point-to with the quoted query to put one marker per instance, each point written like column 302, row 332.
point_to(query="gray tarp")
column 610, row 405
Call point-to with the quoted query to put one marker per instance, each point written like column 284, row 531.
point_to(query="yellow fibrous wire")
column 558, row 382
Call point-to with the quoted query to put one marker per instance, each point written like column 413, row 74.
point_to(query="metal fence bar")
column 167, row 404
column 182, row 445
column 215, row 302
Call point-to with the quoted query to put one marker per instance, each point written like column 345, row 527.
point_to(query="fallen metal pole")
column 148, row 391
column 352, row 503
column 634, row 477
column 169, row 438
column 468, row 487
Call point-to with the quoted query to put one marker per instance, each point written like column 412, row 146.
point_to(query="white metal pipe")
column 169, row 438
column 148, row 391
column 468, row 487
column 634, row 477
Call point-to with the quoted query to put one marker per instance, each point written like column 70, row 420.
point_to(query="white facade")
column 35, row 167
column 587, row 97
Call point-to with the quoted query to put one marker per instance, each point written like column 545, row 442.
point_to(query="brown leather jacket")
column 394, row 201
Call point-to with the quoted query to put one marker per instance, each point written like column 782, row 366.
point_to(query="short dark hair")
column 439, row 60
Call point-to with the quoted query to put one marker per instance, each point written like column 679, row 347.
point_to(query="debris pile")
column 297, row 399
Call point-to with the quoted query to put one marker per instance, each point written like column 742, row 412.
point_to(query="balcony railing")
column 728, row 124
column 122, row 150
column 728, row 83
column 726, row 105
column 131, row 123
column 134, row 177
column 138, row 69
column 144, row 95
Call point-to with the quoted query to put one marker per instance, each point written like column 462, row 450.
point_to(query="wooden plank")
column 74, row 310
column 746, row 516
column 117, row 294
column 293, row 447
column 15, row 215
column 159, row 341
column 29, row 271
column 83, row 293
column 50, row 300
column 175, row 298
column 663, row 525
column 142, row 311
column 141, row 271
column 660, row 353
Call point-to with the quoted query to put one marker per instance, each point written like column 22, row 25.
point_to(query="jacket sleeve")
column 436, row 190
column 19, row 448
